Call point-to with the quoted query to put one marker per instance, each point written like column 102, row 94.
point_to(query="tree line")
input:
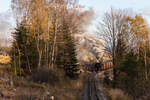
column 126, row 41
column 44, row 34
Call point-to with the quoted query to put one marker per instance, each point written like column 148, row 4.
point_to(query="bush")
column 45, row 75
column 107, row 79
column 117, row 94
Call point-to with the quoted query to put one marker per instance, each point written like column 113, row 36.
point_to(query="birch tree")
column 44, row 20
column 113, row 30
column 140, row 31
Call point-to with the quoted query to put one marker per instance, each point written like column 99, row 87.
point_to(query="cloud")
column 6, row 26
column 5, row 23
column 145, row 12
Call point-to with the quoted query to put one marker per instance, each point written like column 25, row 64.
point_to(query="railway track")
column 93, row 89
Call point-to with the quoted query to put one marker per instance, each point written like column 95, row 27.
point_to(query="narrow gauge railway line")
column 93, row 89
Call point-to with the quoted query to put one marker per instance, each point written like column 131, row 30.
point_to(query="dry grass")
column 45, row 75
column 4, row 59
column 117, row 94
column 29, row 84
column 37, row 85
column 62, row 87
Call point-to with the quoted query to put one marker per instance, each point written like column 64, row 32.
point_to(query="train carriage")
column 103, row 66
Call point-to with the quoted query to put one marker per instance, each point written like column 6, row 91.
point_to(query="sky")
column 4, row 5
column 141, row 7
column 104, row 5
column 100, row 6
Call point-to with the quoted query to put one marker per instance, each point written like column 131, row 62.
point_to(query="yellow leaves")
column 131, row 20
column 139, row 19
column 4, row 59
column 37, row 17
column 139, row 29
column 138, row 25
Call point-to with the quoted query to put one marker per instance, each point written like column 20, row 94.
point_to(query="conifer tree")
column 70, row 63
column 66, row 54
column 24, row 55
column 131, row 76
